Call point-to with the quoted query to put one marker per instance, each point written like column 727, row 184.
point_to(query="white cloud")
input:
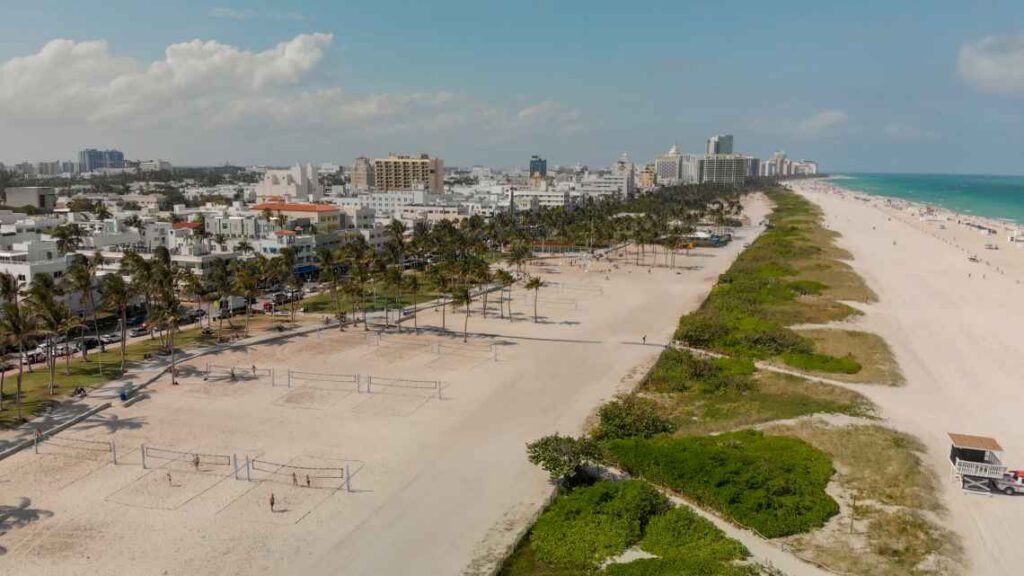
column 821, row 123
column 908, row 133
column 994, row 64
column 202, row 86
column 247, row 14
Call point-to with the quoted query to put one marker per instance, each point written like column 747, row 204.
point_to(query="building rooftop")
column 975, row 442
column 288, row 207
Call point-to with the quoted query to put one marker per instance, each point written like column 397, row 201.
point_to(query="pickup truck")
column 1011, row 483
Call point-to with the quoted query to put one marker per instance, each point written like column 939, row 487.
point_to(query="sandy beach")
column 437, row 486
column 954, row 326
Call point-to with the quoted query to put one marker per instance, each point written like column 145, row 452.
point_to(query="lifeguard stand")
column 975, row 461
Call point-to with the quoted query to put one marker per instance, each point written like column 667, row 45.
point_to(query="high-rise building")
column 362, row 174
column 648, row 177
column 720, row 144
column 408, row 173
column 91, row 159
column 725, row 168
column 668, row 167
column 296, row 184
column 689, row 169
column 538, row 166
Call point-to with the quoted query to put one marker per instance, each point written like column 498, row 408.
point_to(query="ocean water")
column 999, row 197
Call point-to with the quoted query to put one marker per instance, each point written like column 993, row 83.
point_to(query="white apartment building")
column 384, row 203
column 533, row 199
column 299, row 183
column 668, row 167
column 408, row 173
column 725, row 168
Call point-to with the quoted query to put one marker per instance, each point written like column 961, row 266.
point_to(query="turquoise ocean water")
column 990, row 196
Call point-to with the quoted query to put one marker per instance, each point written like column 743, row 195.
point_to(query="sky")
column 884, row 86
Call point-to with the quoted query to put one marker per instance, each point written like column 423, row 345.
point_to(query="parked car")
column 1011, row 483
column 87, row 342
column 111, row 338
column 138, row 331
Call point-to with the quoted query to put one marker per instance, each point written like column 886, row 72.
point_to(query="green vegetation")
column 812, row 362
column 588, row 526
column 629, row 415
column 878, row 365
column 792, row 274
column 775, row 485
column 887, row 522
column 772, row 397
column 563, row 457
column 682, row 371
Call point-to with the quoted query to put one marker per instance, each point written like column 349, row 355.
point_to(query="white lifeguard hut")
column 975, row 461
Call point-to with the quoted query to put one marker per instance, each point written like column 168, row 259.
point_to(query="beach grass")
column 888, row 524
column 772, row 397
column 870, row 351
column 792, row 274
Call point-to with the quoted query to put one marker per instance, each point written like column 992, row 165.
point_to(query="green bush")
column 806, row 287
column 812, row 362
column 583, row 528
column 774, row 484
column 563, row 457
column 681, row 533
column 679, row 567
column 681, row 371
column 630, row 415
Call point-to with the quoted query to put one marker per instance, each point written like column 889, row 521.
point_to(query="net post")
column 35, row 444
column 113, row 452
column 369, row 384
column 359, row 384
column 348, row 481
column 142, row 450
column 234, row 465
column 437, row 383
column 248, row 468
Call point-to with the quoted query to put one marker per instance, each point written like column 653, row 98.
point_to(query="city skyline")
column 210, row 83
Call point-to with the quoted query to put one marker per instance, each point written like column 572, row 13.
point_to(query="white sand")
column 441, row 486
column 955, row 327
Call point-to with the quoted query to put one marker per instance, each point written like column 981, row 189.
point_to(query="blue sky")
column 878, row 86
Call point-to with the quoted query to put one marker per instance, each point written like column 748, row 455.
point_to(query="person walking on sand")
column 169, row 481
column 295, row 479
column 195, row 462
column 644, row 338
column 271, row 501
column 308, row 484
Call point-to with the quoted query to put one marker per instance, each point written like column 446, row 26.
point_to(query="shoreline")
column 952, row 323
column 925, row 210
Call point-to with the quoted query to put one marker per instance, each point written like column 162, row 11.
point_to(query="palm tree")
column 246, row 284
column 462, row 296
column 327, row 259
column 412, row 282
column 81, row 278
column 505, row 280
column 116, row 295
column 69, row 237
column 52, row 318
column 535, row 284
column 19, row 325
column 244, row 247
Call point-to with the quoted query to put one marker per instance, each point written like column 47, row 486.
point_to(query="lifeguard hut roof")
column 975, row 442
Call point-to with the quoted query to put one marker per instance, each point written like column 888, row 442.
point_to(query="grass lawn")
column 878, row 365
column 891, row 501
column 35, row 397
column 324, row 303
column 773, row 397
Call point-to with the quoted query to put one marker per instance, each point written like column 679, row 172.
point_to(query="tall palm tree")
column 330, row 272
column 505, row 280
column 115, row 294
column 19, row 325
column 462, row 296
column 412, row 282
column 81, row 278
column 535, row 284
column 247, row 285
